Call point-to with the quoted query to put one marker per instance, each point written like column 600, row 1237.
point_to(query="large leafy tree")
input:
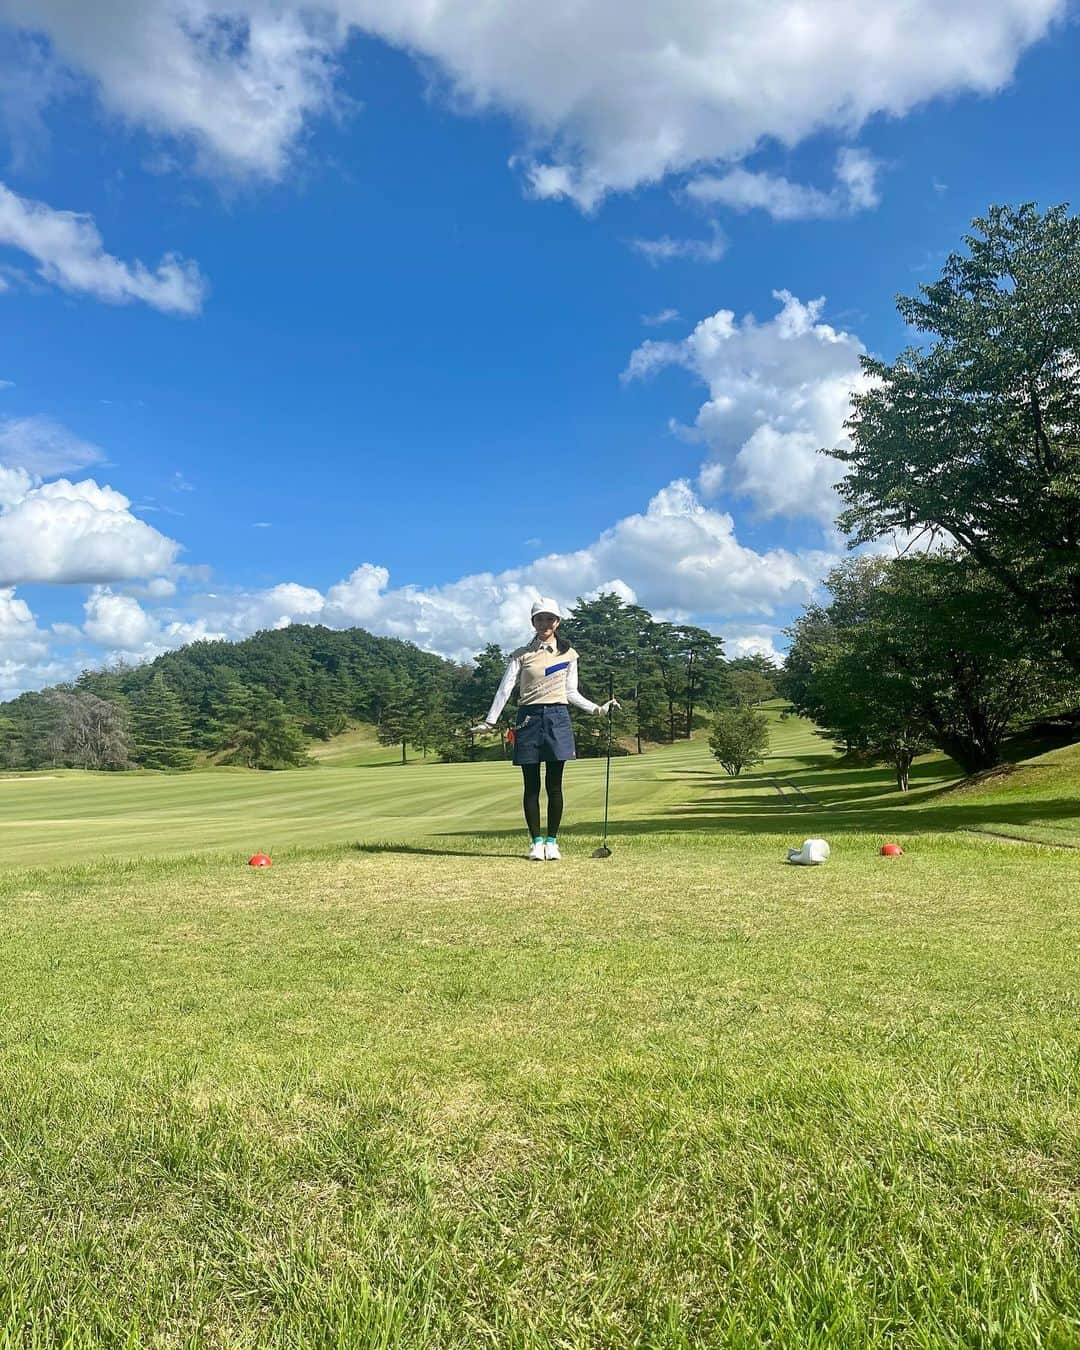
column 977, row 434
column 923, row 650
column 866, row 709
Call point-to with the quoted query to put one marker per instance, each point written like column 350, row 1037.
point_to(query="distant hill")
column 319, row 680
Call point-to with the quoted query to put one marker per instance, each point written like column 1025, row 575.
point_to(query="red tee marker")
column 259, row 860
column 511, row 736
column 891, row 851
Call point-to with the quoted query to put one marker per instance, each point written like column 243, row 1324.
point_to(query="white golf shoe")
column 551, row 852
column 537, row 853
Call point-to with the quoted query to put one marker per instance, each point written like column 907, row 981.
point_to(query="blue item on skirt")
column 543, row 732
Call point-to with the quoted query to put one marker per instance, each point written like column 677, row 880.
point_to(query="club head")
column 602, row 852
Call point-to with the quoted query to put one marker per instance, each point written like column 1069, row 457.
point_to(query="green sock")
column 538, row 838
column 550, row 839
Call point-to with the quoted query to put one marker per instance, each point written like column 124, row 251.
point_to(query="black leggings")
column 531, row 800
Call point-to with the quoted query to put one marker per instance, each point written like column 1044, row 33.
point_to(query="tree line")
column 259, row 703
column 969, row 445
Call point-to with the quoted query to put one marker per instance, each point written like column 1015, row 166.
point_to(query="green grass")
column 357, row 748
column 419, row 1093
column 68, row 816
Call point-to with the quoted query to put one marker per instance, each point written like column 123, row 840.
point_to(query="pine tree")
column 160, row 730
column 269, row 737
column 229, row 713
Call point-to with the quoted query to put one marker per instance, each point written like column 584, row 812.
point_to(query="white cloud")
column 14, row 485
column 677, row 556
column 660, row 318
column 74, row 532
column 43, row 447
column 19, row 634
column 24, row 649
column 668, row 249
column 277, row 607
column 160, row 588
column 778, row 392
column 855, row 189
column 70, row 254
column 117, row 621
column 753, row 642
column 619, row 92
column 121, row 625
column 237, row 80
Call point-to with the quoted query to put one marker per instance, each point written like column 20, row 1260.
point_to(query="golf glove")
column 607, row 707
column 481, row 728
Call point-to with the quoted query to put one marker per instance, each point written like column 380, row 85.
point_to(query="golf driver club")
column 603, row 851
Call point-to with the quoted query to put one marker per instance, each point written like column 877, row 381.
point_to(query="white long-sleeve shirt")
column 547, row 676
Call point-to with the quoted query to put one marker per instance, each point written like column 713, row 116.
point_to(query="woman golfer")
column 546, row 673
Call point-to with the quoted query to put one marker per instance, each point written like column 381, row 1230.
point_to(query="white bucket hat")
column 813, row 851
column 545, row 605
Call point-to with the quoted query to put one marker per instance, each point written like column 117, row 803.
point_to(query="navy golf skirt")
column 543, row 732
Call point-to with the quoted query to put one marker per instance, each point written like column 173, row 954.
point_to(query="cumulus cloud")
column 15, row 483
column 613, row 93
column 25, row 662
column 753, row 642
column 778, row 392
column 43, row 447
column 119, row 623
column 855, row 190
column 677, row 557
column 74, row 532
column 70, row 254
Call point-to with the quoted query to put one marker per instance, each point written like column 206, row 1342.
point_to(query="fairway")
column 404, row 1089
column 68, row 816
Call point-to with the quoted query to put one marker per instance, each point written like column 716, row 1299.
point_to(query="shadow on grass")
column 439, row 852
column 763, row 815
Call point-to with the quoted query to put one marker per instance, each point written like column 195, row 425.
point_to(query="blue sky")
column 328, row 317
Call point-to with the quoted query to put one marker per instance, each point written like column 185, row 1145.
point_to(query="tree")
column 228, row 713
column 89, row 732
column 918, row 651
column 9, row 733
column 36, row 717
column 866, row 710
column 706, row 676
column 739, row 739
column 749, row 686
column 268, row 737
column 474, row 694
column 764, row 665
column 664, row 647
column 160, row 730
column 978, row 435
column 604, row 633
column 398, row 713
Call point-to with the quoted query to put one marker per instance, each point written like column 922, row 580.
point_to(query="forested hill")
column 260, row 702
column 325, row 677
column 257, row 701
